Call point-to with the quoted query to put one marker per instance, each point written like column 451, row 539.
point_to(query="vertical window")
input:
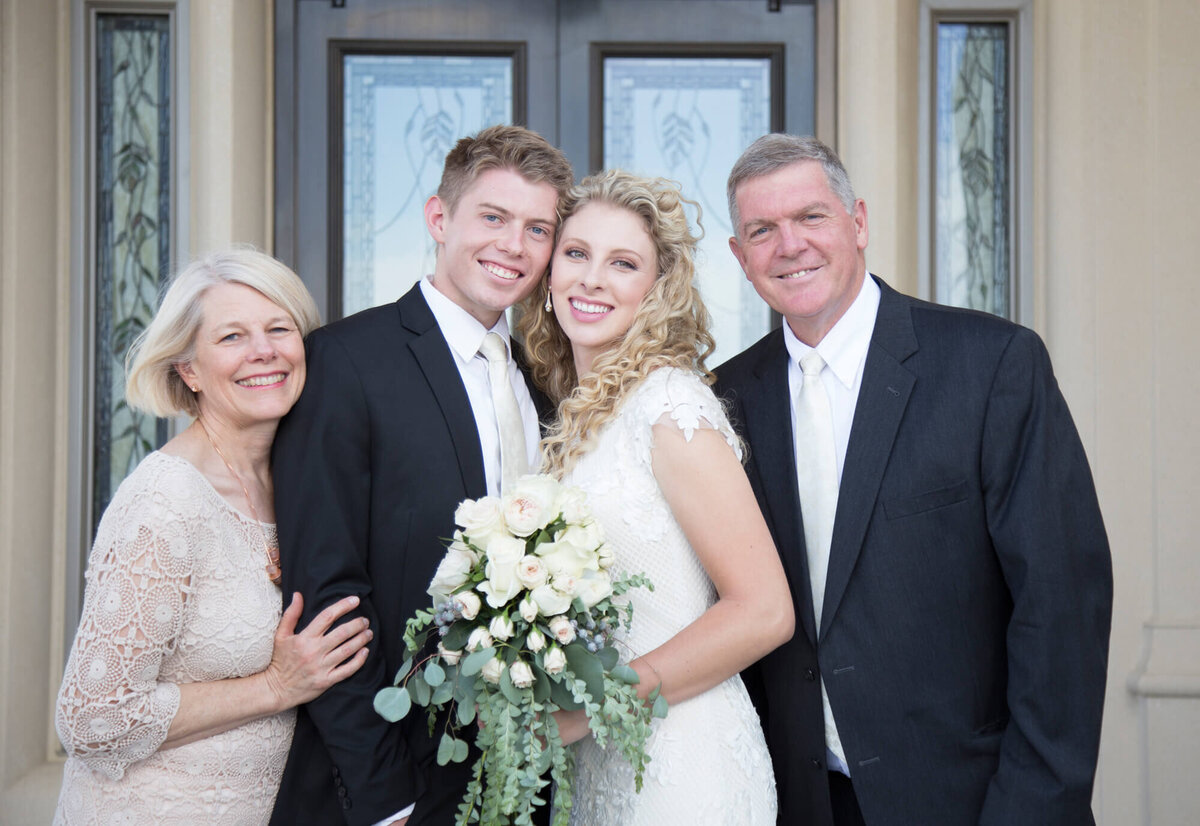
column 400, row 114
column 975, row 245
column 132, row 225
column 688, row 118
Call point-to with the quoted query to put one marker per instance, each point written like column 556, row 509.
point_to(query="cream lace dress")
column 709, row 761
column 176, row 593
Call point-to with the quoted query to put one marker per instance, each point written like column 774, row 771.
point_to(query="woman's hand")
column 304, row 664
column 572, row 726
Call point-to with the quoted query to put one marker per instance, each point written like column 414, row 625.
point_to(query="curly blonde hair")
column 671, row 328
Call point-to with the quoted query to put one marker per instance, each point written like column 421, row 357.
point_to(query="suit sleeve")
column 322, row 473
column 1046, row 527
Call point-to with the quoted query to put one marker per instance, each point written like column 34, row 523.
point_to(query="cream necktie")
column 513, row 459
column 817, row 481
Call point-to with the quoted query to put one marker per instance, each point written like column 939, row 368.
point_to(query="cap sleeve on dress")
column 671, row 395
column 112, row 709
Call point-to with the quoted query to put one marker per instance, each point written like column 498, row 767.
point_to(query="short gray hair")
column 152, row 383
column 777, row 150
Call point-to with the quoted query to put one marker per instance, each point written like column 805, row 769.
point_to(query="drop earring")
column 549, row 306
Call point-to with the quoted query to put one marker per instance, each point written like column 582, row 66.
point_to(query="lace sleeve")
column 112, row 709
column 675, row 396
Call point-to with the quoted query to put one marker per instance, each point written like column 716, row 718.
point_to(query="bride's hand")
column 304, row 664
column 572, row 726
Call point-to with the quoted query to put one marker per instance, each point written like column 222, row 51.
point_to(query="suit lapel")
column 882, row 399
column 433, row 356
column 767, row 409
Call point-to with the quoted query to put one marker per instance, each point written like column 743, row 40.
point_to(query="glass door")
column 371, row 94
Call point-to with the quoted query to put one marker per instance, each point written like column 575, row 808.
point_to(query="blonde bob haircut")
column 670, row 329
column 152, row 383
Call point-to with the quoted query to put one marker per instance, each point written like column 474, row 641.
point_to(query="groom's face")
column 495, row 244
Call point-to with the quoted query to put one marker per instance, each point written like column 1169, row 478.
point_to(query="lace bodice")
column 709, row 761
column 176, row 593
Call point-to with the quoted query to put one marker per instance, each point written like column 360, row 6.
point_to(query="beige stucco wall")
column 1117, row 163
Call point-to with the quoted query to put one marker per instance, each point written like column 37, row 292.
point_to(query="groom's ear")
column 435, row 218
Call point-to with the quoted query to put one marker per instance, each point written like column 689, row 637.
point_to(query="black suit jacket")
column 964, row 636
column 368, row 468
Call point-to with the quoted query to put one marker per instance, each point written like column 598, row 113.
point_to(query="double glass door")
column 371, row 94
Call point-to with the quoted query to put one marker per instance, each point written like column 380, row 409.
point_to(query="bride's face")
column 602, row 268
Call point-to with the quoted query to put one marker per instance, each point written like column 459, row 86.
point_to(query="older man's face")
column 800, row 248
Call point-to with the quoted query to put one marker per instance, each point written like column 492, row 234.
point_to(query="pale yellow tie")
column 817, row 481
column 513, row 459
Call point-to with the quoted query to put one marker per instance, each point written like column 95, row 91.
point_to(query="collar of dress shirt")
column 462, row 331
column 844, row 347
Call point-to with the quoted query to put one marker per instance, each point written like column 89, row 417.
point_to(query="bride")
column 619, row 344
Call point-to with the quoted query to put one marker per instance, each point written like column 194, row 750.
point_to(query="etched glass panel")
column 133, row 139
column 972, row 202
column 688, row 119
column 403, row 113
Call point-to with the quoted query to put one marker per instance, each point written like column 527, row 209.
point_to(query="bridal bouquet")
column 524, row 616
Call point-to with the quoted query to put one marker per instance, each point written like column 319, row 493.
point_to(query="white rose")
column 605, row 556
column 562, row 558
column 549, row 600
column 480, row 519
column 492, row 670
column 452, row 573
column 449, row 657
column 535, row 641
column 572, row 504
column 586, row 539
column 529, row 506
column 566, row 584
column 531, row 572
column 562, row 629
column 521, row 674
column 554, row 661
column 479, row 639
column 468, row 603
column 501, row 627
column 528, row 609
column 503, row 554
column 595, row 586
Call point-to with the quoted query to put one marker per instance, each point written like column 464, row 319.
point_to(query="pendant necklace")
column 274, row 571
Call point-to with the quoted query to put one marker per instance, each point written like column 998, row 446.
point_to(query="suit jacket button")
column 810, row 675
column 346, row 804
column 816, row 763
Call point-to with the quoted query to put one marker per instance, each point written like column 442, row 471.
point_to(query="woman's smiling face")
column 602, row 268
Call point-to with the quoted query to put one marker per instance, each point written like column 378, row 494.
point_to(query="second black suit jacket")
column 368, row 468
column 964, row 635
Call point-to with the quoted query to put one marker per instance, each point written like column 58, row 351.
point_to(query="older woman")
column 620, row 344
column 177, row 702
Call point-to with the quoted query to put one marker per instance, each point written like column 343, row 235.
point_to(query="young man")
column 397, row 424
column 934, row 509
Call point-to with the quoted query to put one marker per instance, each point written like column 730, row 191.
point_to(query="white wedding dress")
column 177, row 592
column 708, row 759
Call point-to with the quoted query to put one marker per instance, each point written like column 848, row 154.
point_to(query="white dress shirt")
column 844, row 350
column 464, row 334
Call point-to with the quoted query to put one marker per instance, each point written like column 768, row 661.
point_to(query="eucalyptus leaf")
column 445, row 750
column 474, row 662
column 392, row 703
column 608, row 658
column 465, row 713
column 405, row 667
column 561, row 696
column 420, row 689
column 541, row 684
column 660, row 707
column 442, row 694
column 460, row 751
column 435, row 675
column 510, row 691
column 457, row 636
column 626, row 675
column 586, row 667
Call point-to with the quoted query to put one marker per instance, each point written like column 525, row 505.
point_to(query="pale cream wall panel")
column 230, row 114
column 877, row 127
column 32, row 263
